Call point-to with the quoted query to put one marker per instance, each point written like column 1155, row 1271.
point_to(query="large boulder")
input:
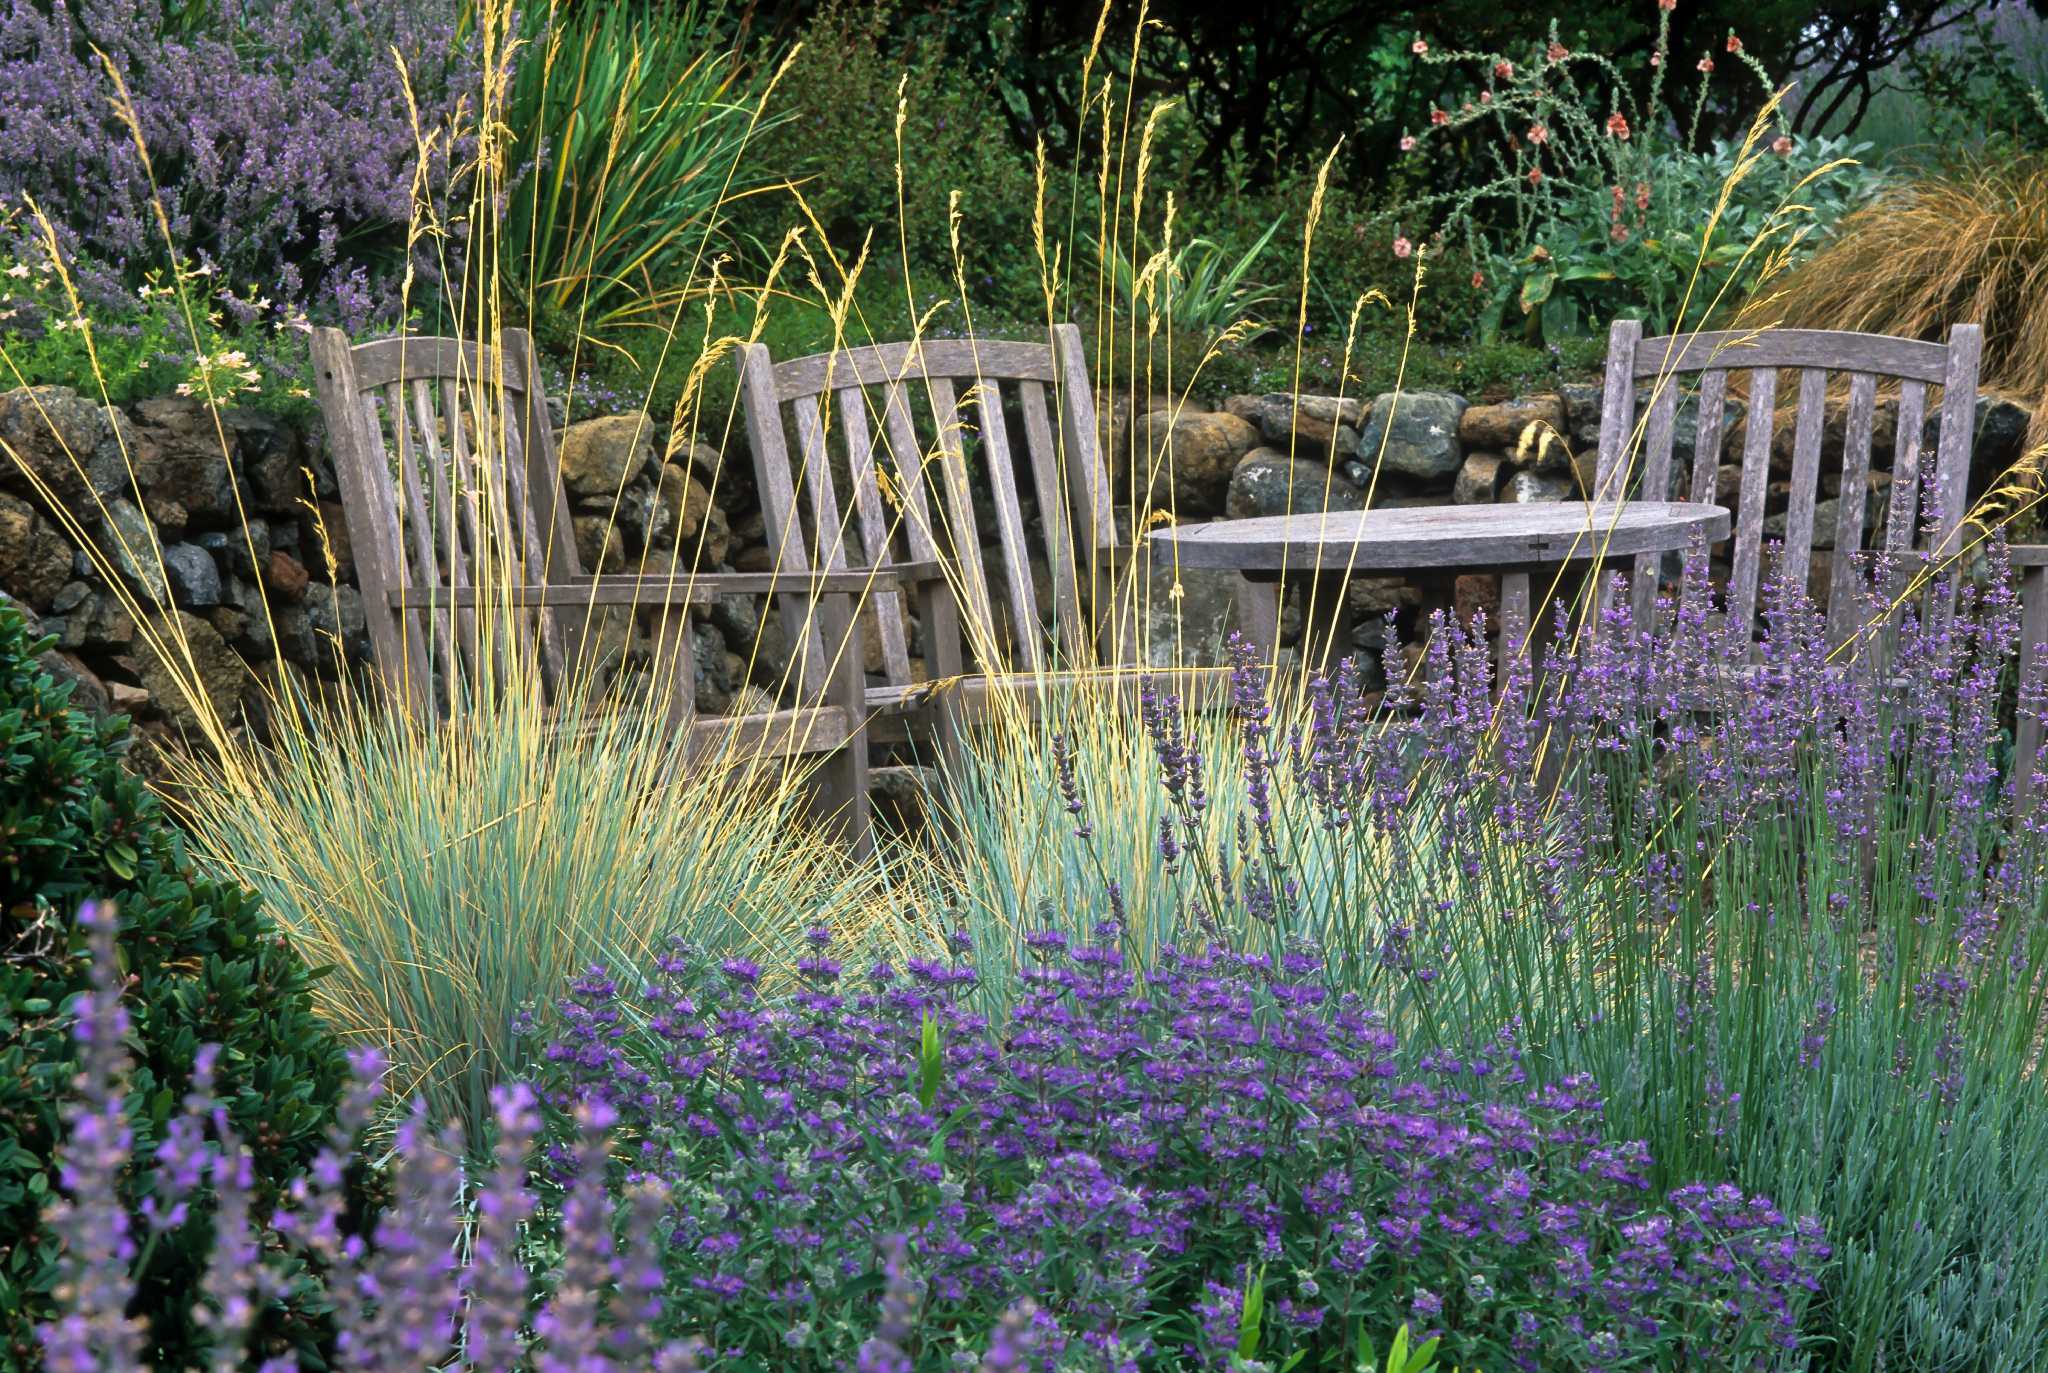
column 1268, row 482
column 1187, row 622
column 52, row 438
column 1527, row 487
column 128, row 539
column 600, row 545
column 35, row 557
column 1188, row 456
column 1502, row 427
column 193, row 576
column 1414, row 433
column 1478, row 481
column 1321, row 427
column 213, row 677
column 181, row 463
column 602, row 455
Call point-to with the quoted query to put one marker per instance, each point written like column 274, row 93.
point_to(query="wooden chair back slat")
column 874, row 529
column 459, row 629
column 939, row 409
column 1815, row 354
column 1749, row 510
column 827, row 524
column 1809, row 424
column 1046, row 474
column 1009, row 512
column 417, row 524
column 1904, row 514
column 1087, row 481
column 1851, row 505
column 963, row 535
column 1658, row 434
column 1706, row 448
column 1958, row 432
column 778, row 504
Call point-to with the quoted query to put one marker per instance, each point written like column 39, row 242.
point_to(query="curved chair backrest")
column 449, row 481
column 1663, row 364
column 908, row 415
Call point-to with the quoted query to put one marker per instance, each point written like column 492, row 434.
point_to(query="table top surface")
column 1444, row 536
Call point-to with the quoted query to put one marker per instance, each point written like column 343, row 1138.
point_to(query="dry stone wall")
column 256, row 563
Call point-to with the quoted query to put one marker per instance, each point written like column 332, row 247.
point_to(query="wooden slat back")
column 933, row 477
column 1628, row 468
column 448, row 479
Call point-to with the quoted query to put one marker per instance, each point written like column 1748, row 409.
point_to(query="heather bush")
column 281, row 144
column 200, row 964
column 1153, row 1156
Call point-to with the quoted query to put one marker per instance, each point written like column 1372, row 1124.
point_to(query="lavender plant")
column 1184, row 1166
column 1785, row 908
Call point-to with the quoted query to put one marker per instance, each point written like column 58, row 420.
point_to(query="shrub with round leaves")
column 201, row 965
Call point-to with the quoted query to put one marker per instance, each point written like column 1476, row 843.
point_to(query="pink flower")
column 1706, row 66
column 1667, row 4
column 1418, row 47
column 1538, row 135
column 1439, row 117
column 1782, row 145
column 1734, row 43
column 1402, row 247
column 1556, row 52
column 1656, row 59
column 1619, row 233
column 1535, row 176
column 1642, row 195
column 1478, row 280
column 1617, row 127
column 1486, row 97
column 1407, row 142
column 1504, row 70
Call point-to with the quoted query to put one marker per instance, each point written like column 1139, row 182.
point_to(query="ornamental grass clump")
column 1160, row 1159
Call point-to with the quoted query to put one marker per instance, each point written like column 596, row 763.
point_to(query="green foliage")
column 838, row 145
column 204, row 966
column 1990, row 90
column 1195, row 288
column 1401, row 1358
column 628, row 123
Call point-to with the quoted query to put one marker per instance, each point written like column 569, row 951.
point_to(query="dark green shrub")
column 202, row 966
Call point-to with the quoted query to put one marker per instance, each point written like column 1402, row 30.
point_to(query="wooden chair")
column 465, row 553
column 1662, row 363
column 908, row 416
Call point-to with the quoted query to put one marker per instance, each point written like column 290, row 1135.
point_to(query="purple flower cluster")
column 403, row 1297
column 1128, row 1152
column 278, row 137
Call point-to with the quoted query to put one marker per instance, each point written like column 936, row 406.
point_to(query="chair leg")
column 1258, row 614
column 842, row 786
column 2033, row 631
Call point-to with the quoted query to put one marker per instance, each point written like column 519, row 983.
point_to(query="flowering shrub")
column 275, row 137
column 1153, row 1158
column 1598, row 206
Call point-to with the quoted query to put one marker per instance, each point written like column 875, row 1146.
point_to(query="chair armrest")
column 2027, row 554
column 660, row 589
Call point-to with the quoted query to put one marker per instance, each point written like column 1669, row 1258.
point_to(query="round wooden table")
column 1513, row 540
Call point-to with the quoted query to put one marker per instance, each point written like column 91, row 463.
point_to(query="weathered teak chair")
column 1667, row 365
column 907, row 416
column 456, row 514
